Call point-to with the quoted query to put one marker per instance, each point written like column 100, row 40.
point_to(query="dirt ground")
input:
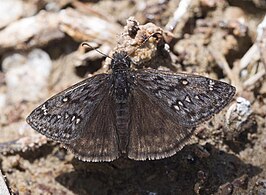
column 41, row 55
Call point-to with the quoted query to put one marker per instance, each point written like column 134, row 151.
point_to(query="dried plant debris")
column 23, row 144
column 233, row 187
column 261, row 40
column 259, row 3
column 30, row 32
column 83, row 27
column 41, row 54
column 146, row 44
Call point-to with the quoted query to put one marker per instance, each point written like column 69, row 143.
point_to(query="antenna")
column 88, row 45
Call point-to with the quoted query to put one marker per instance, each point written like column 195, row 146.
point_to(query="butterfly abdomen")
column 122, row 122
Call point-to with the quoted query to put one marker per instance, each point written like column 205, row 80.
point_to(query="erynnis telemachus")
column 140, row 114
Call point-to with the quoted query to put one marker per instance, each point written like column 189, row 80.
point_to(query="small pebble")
column 237, row 115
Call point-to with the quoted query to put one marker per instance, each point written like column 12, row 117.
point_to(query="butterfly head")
column 120, row 61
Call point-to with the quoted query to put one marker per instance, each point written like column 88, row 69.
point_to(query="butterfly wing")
column 63, row 117
column 166, row 107
column 153, row 133
column 190, row 99
column 80, row 117
column 99, row 141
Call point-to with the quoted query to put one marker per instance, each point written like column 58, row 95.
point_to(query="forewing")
column 153, row 133
column 190, row 99
column 65, row 116
column 98, row 141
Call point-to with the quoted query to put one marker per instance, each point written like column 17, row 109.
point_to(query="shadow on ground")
column 184, row 173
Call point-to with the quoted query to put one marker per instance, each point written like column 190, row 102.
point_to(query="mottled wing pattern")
column 98, row 141
column 153, row 133
column 190, row 99
column 65, row 116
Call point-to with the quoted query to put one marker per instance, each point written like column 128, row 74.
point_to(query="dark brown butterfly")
column 140, row 114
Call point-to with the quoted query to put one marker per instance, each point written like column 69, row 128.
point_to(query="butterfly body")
column 121, row 87
column 140, row 114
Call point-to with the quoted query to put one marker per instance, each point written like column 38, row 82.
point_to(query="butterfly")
column 137, row 114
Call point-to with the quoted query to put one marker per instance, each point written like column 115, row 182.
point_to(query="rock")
column 26, row 75
column 237, row 115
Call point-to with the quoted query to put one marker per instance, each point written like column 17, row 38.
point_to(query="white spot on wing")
column 73, row 118
column 187, row 99
column 180, row 103
column 65, row 99
column 77, row 120
column 44, row 109
column 66, row 115
column 176, row 107
column 211, row 83
column 184, row 82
